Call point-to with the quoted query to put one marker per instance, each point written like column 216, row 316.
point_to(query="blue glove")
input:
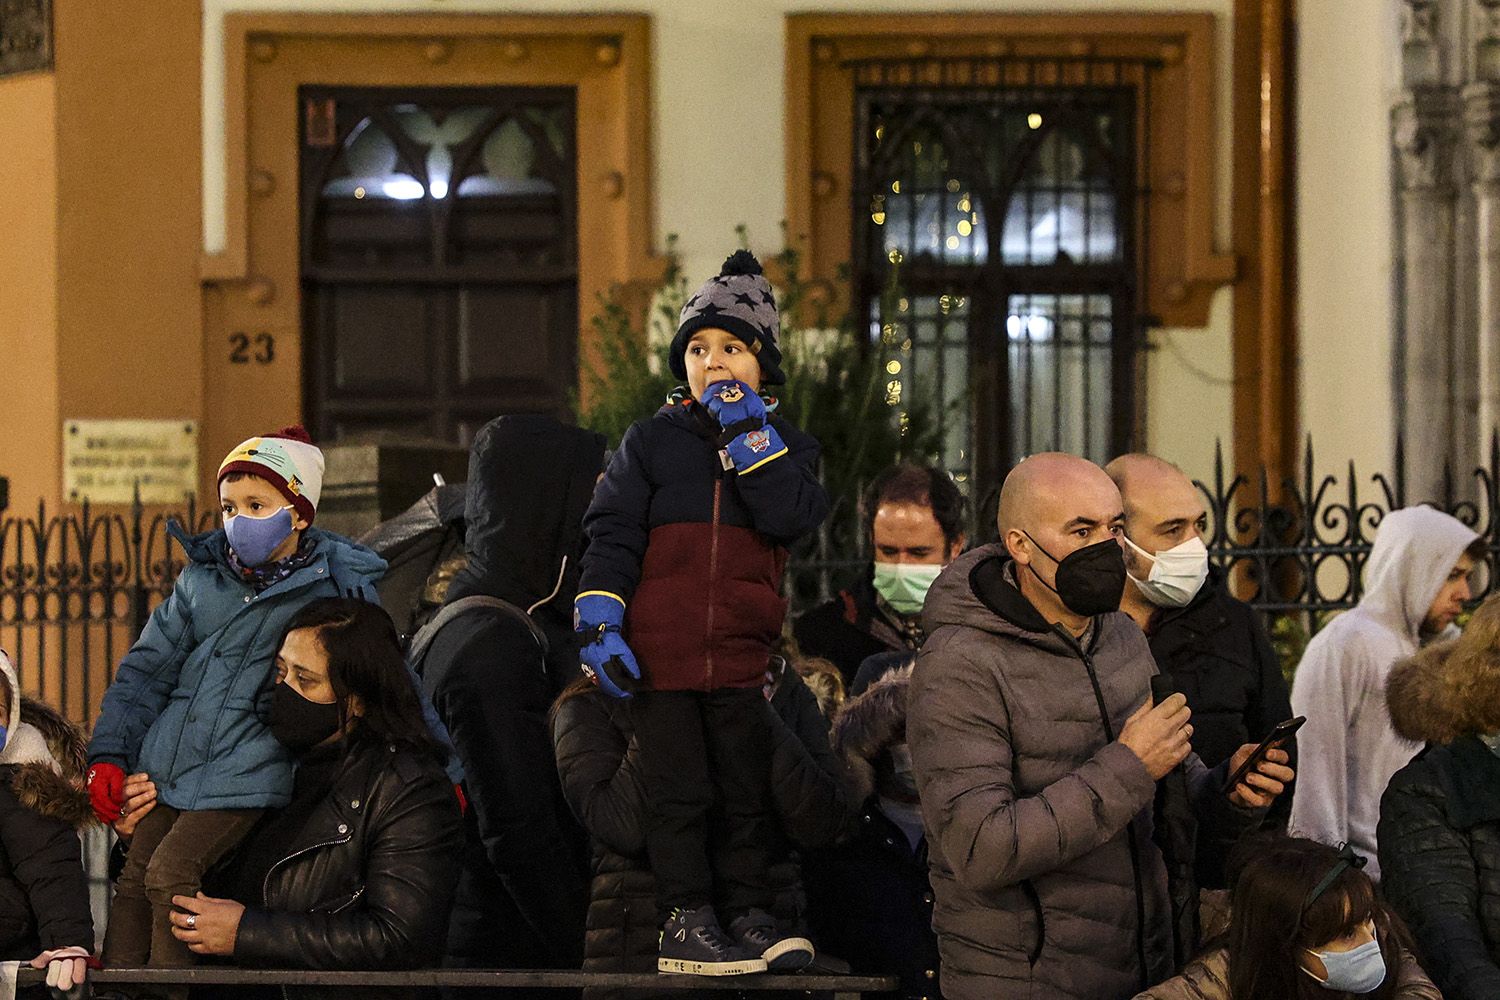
column 747, row 440
column 607, row 660
column 735, row 405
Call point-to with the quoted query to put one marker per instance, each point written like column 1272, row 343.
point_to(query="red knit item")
column 292, row 432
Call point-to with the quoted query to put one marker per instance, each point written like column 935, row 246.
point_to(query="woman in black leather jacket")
column 358, row 871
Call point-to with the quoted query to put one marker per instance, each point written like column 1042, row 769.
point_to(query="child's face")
column 255, row 497
column 715, row 355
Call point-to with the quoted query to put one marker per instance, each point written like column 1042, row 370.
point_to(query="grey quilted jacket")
column 1047, row 881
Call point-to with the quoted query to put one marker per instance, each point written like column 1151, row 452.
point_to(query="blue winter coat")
column 190, row 699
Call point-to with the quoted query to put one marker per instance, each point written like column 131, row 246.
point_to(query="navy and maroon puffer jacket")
column 696, row 551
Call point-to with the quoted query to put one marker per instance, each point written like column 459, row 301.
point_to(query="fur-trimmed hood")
column 1450, row 689
column 43, row 755
column 868, row 725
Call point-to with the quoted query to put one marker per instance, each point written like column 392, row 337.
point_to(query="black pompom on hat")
column 740, row 301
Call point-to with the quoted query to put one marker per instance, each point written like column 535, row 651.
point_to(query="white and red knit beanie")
column 288, row 460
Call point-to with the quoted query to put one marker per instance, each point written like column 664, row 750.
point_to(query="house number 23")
column 243, row 348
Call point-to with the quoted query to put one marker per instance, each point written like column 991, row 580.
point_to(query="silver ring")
column 192, row 921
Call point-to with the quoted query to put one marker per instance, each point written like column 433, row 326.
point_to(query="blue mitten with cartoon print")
column 747, row 438
column 606, row 659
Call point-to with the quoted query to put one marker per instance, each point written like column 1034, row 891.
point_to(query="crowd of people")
column 1055, row 764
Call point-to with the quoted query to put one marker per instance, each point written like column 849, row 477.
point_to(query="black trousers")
column 710, row 831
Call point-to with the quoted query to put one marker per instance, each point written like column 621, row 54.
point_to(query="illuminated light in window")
column 953, row 186
column 893, row 368
column 439, row 189
column 906, row 346
column 952, row 243
column 895, row 187
column 895, row 257
column 878, row 218
column 903, row 304
column 964, row 205
column 879, row 132
column 1034, row 120
column 893, row 392
column 403, row 189
column 359, row 192
column 965, row 227
column 1032, row 327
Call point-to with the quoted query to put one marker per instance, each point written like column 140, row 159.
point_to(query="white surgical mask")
column 1359, row 970
column 904, row 585
column 1178, row 574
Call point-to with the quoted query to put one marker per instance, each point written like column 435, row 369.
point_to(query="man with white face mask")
column 915, row 521
column 1214, row 646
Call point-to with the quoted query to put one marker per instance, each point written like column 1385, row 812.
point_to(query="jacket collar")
column 333, row 821
column 1476, row 779
column 994, row 583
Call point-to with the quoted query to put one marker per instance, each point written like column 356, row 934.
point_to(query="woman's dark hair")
column 1272, row 920
column 924, row 486
column 365, row 661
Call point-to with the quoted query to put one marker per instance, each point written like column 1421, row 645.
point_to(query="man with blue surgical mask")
column 915, row 520
column 1214, row 646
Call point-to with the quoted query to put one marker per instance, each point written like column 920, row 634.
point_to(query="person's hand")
column 209, row 927
column 140, row 798
column 106, row 784
column 607, row 659
column 735, row 405
column 1268, row 779
column 67, row 968
column 1160, row 735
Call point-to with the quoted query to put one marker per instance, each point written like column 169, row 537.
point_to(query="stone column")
column 1481, row 110
column 1422, row 131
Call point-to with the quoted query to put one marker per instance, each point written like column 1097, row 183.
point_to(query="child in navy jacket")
column 679, row 605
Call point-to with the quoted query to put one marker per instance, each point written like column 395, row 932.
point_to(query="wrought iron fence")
column 1294, row 549
column 77, row 586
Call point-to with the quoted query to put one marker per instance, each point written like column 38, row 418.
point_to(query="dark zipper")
column 265, row 887
column 1130, row 838
column 713, row 569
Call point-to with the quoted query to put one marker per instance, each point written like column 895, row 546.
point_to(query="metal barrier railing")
column 836, row 987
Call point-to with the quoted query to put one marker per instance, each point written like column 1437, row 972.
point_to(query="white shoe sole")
column 789, row 954
column 685, row 967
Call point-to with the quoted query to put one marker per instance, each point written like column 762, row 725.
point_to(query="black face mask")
column 299, row 724
column 1090, row 580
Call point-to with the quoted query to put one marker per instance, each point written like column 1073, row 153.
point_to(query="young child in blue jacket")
column 192, row 703
column 679, row 607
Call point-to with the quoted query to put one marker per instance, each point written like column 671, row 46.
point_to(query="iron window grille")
column 998, row 214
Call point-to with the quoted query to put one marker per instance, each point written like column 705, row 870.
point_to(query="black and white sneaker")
column 693, row 944
column 756, row 933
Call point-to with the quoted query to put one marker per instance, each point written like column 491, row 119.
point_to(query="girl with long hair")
column 1305, row 924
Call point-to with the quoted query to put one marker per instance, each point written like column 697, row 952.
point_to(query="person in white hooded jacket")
column 1416, row 583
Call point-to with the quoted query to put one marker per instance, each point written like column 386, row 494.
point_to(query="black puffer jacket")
column 1439, row 831
column 368, row 884
column 597, row 759
column 524, row 889
column 869, row 895
column 851, row 628
column 1219, row 656
column 44, row 895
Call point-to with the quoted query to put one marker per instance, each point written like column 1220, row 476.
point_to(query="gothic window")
column 995, row 232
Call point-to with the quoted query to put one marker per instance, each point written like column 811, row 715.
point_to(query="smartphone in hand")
column 1275, row 739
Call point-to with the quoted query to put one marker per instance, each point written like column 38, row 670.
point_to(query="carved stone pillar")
column 1423, row 136
column 1481, row 109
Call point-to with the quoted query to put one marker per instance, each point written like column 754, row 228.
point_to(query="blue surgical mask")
column 1359, row 970
column 255, row 538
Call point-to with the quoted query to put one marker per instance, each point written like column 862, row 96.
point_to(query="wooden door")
column 439, row 257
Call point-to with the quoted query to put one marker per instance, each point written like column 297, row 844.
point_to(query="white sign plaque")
column 105, row 460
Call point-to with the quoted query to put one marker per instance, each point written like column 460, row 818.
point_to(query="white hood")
column 1415, row 550
column 24, row 743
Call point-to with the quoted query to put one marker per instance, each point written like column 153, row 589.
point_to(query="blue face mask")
column 1360, row 970
column 3, row 734
column 255, row 538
